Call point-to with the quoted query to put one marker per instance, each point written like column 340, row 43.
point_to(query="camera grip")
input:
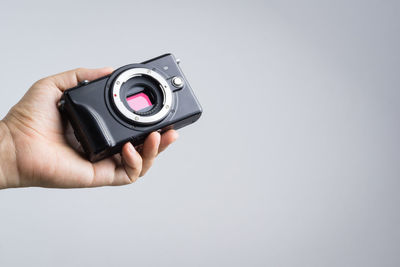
column 90, row 129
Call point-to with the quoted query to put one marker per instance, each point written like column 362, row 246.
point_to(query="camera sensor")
column 139, row 101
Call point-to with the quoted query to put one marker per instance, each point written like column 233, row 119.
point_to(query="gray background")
column 295, row 161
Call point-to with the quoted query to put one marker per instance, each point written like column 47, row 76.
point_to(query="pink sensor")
column 139, row 101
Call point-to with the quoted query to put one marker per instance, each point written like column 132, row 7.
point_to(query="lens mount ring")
column 165, row 89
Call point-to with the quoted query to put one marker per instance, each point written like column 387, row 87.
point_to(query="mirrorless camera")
column 127, row 105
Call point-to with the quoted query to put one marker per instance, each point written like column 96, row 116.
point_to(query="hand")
column 34, row 150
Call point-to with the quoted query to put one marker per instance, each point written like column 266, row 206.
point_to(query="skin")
column 34, row 150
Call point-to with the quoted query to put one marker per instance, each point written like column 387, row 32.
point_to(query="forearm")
column 8, row 166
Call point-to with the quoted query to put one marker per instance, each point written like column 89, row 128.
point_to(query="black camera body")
column 127, row 105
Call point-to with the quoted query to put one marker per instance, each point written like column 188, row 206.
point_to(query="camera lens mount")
column 137, row 116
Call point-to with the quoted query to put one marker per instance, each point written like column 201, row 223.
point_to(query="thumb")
column 71, row 78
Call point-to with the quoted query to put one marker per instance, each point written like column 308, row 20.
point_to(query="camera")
column 128, row 104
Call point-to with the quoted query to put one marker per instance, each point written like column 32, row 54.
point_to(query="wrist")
column 8, row 166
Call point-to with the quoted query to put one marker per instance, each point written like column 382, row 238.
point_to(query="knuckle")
column 41, row 83
column 79, row 69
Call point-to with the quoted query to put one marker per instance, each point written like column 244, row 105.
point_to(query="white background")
column 295, row 161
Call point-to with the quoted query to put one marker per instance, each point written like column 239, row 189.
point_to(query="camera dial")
column 142, row 95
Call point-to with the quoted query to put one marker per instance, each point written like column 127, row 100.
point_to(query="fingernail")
column 131, row 149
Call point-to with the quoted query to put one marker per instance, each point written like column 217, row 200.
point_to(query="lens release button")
column 84, row 82
column 177, row 82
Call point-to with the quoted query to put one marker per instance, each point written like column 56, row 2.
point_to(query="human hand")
column 34, row 150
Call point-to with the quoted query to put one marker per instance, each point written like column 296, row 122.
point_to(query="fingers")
column 132, row 161
column 71, row 78
column 110, row 171
column 137, row 165
column 150, row 151
column 153, row 145
column 167, row 138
